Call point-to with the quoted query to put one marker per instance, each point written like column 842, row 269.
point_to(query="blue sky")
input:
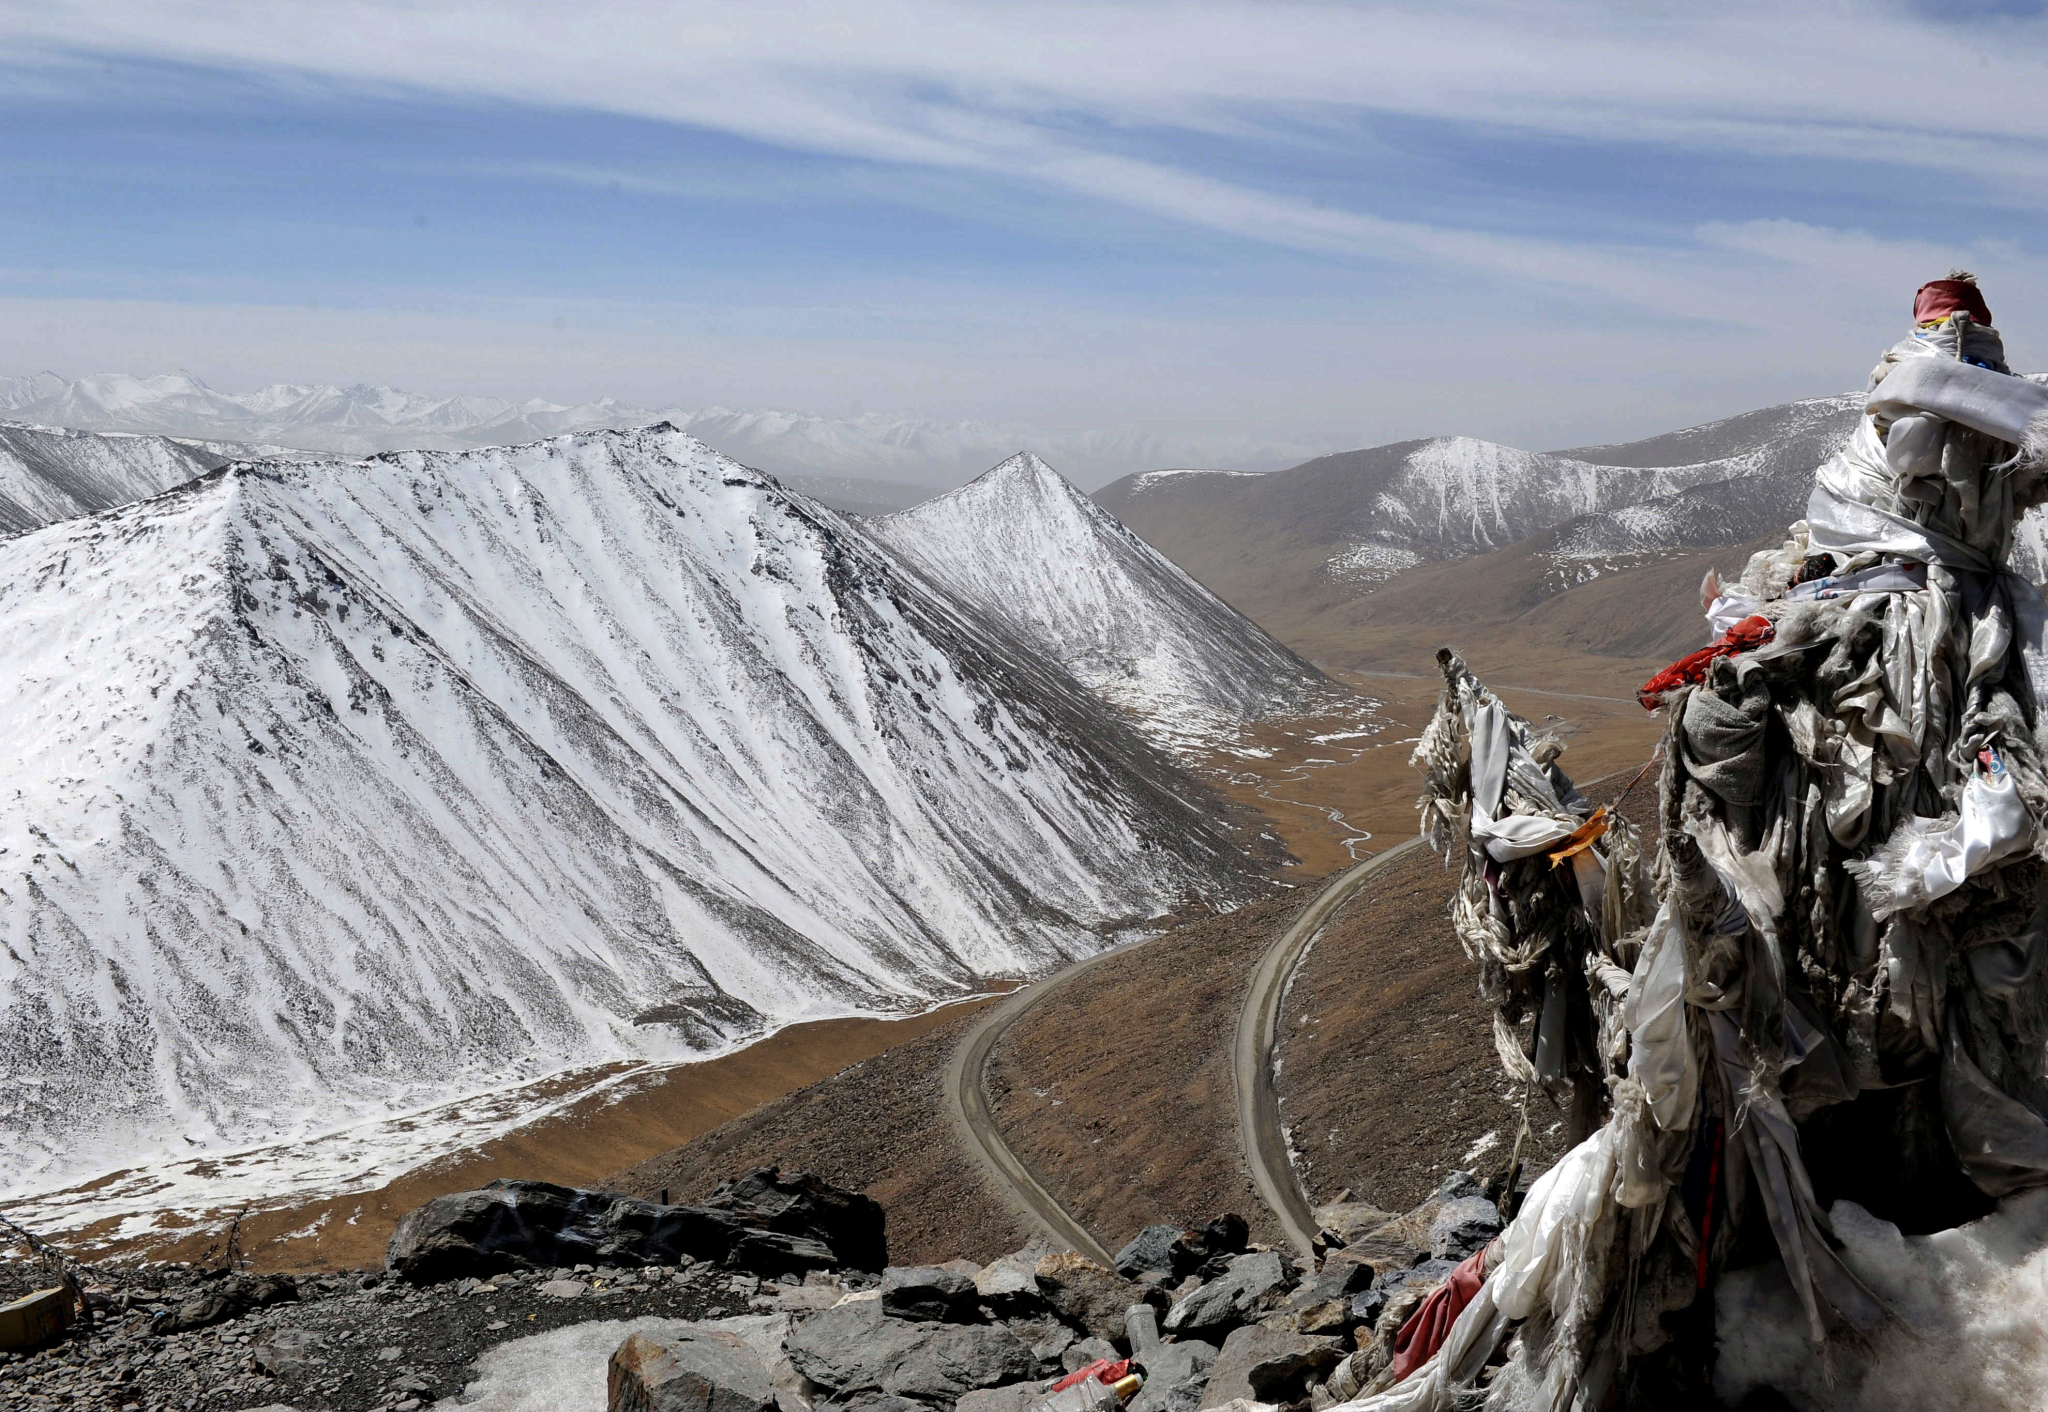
column 1335, row 224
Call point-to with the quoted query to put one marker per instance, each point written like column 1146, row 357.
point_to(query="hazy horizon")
column 1333, row 225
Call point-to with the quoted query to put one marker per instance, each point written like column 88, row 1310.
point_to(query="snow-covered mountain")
column 48, row 475
column 1364, row 515
column 1750, row 476
column 1025, row 548
column 364, row 419
column 334, row 789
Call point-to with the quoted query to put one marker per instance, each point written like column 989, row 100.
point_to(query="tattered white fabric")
column 1930, row 858
column 1849, row 895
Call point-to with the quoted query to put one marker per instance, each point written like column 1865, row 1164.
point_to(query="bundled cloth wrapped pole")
column 1824, row 978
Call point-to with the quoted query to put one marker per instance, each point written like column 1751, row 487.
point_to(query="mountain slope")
column 363, row 419
column 337, row 789
column 48, row 475
column 1023, row 547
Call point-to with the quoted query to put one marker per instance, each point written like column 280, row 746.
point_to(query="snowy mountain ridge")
column 337, row 789
column 48, row 474
column 1025, row 548
column 365, row 419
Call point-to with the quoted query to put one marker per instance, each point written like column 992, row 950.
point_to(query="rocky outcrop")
column 765, row 1222
column 851, row 1225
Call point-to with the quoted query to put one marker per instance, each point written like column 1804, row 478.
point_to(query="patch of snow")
column 1370, row 565
column 1483, row 1145
column 1971, row 1328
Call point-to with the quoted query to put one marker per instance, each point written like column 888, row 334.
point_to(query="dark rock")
column 1226, row 1235
column 1251, row 1285
column 1334, row 1281
column 851, row 1347
column 1368, row 1305
column 932, row 1292
column 1463, row 1225
column 1269, row 1365
column 691, row 1372
column 1322, row 1303
column 856, row 1348
column 1151, row 1249
column 772, row 1253
column 223, row 1298
column 1088, row 1296
column 512, row 1225
column 1459, row 1185
column 794, row 1203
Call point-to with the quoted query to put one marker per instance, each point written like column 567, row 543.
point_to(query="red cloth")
column 1101, row 1368
column 1941, row 297
column 1753, row 631
column 1430, row 1324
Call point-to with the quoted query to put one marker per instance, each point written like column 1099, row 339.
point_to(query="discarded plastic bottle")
column 1092, row 1395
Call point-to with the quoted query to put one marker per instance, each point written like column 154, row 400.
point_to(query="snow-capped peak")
column 1022, row 546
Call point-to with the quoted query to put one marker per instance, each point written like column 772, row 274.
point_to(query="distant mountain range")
column 363, row 420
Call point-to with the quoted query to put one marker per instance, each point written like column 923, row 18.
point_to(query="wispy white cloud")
column 1127, row 105
column 1043, row 93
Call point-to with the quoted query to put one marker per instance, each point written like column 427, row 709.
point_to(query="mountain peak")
column 1020, row 545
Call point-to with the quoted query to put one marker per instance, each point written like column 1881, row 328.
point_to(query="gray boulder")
column 1262, row 1364
column 933, row 1292
column 856, row 1348
column 1252, row 1284
column 1088, row 1350
column 1155, row 1250
column 1088, row 1296
column 1322, row 1303
column 1463, row 1225
column 692, row 1371
column 1009, row 1286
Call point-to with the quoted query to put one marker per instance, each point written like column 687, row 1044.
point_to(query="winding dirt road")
column 1265, row 1144
column 1258, row 1030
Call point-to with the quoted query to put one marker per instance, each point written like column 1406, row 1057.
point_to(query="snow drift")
column 336, row 789
column 1969, row 1325
column 1026, row 549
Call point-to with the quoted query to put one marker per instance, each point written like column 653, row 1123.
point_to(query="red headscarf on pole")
column 1939, row 298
